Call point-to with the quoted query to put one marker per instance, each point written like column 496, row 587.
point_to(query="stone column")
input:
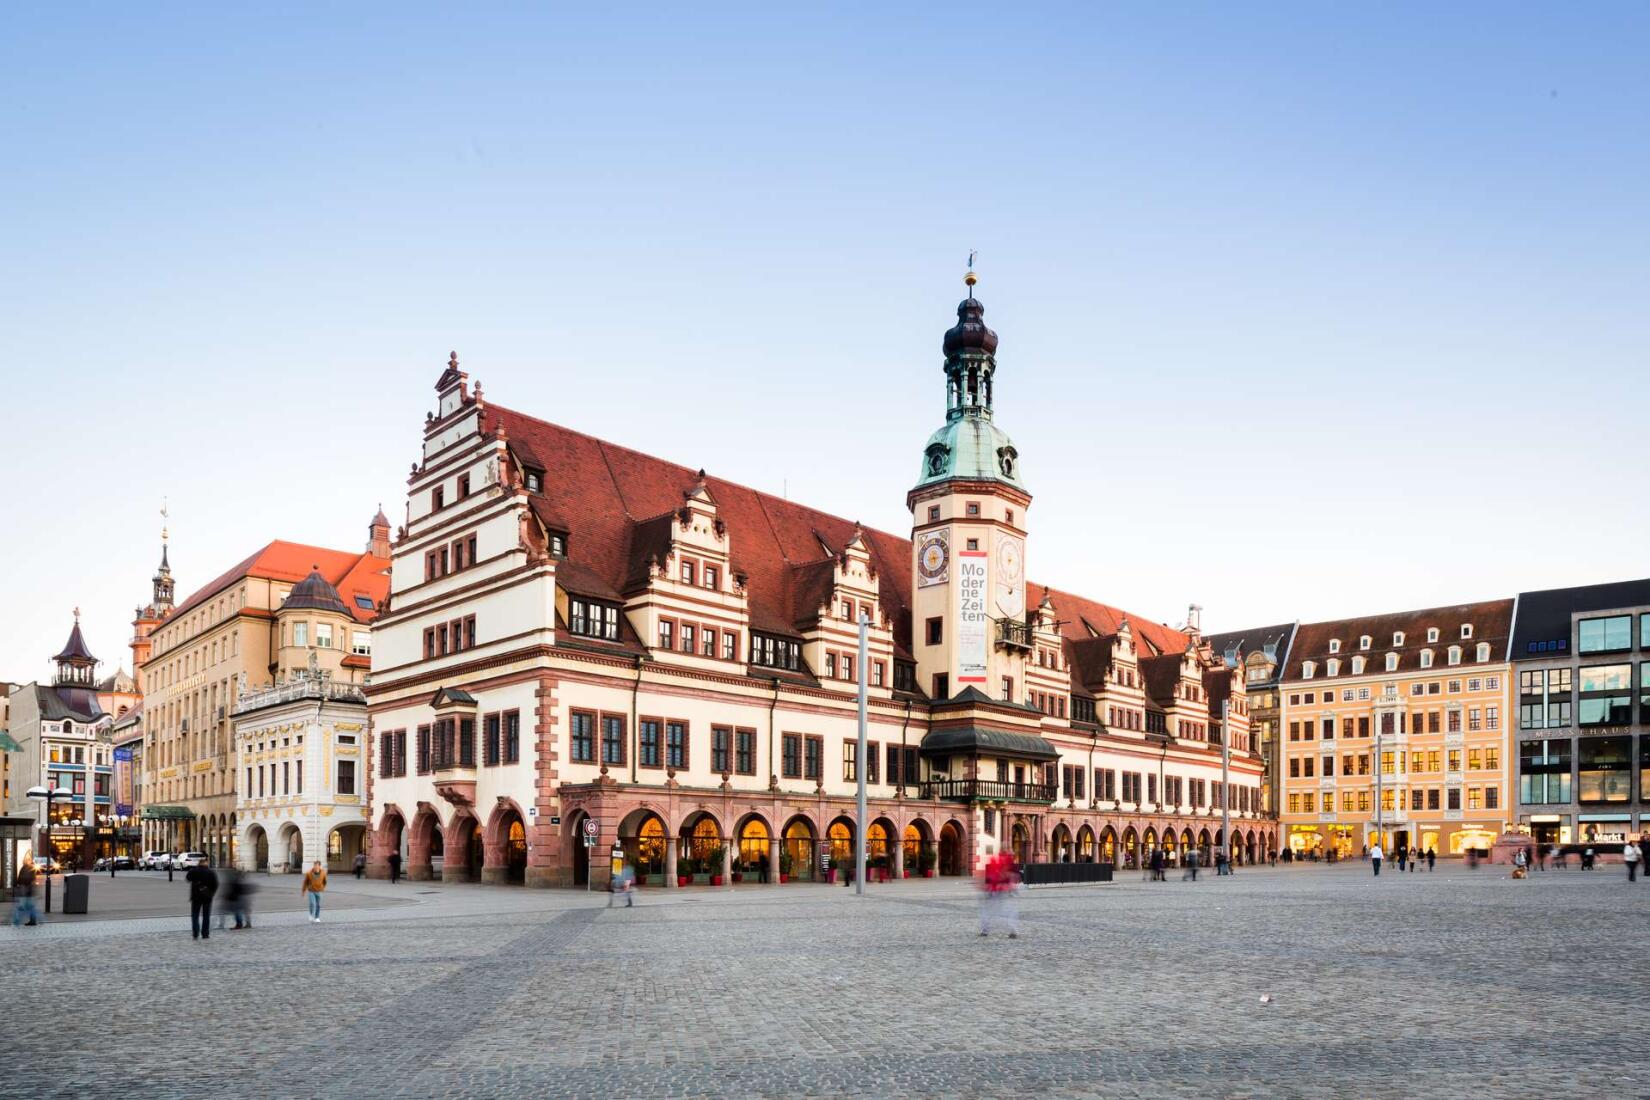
column 670, row 861
column 773, row 862
column 899, row 859
column 727, row 863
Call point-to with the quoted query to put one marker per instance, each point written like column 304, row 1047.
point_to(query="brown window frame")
column 658, row 744
column 594, row 739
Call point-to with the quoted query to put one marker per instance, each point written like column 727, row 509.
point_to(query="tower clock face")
column 1010, row 576
column 933, row 560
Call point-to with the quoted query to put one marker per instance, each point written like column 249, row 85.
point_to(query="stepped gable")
column 601, row 493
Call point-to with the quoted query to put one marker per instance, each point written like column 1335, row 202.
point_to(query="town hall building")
column 582, row 641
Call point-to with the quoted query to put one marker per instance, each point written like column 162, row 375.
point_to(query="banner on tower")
column 973, row 623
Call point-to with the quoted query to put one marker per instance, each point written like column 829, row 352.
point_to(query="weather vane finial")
column 164, row 516
column 970, row 279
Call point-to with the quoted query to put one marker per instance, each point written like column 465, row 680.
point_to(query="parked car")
column 122, row 863
column 190, row 859
column 153, row 861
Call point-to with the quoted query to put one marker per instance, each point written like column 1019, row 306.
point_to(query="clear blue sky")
column 1305, row 310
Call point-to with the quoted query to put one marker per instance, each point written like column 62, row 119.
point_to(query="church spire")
column 75, row 663
column 162, row 582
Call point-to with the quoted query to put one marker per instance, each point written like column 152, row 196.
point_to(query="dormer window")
column 1432, row 634
column 558, row 544
column 1466, row 630
column 1332, row 667
column 1392, row 662
column 532, row 479
column 771, row 652
column 1397, row 639
column 1357, row 666
column 1483, row 651
column 1365, row 641
column 1426, row 658
column 1334, row 645
column 1307, row 669
column 1454, row 654
column 592, row 619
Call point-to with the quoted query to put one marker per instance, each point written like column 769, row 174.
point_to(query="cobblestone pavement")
column 1450, row 984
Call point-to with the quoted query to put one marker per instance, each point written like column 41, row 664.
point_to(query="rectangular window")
column 1415, row 798
column 744, row 761
column 935, row 630
column 711, row 576
column 667, row 634
column 707, row 644
column 676, row 745
column 346, row 777
column 721, row 750
column 491, row 741
column 612, row 739
column 689, row 638
column 813, row 762
column 512, row 736
column 1607, row 635
column 1604, row 769
column 850, row 750
column 730, row 645
column 878, row 670
column 649, row 749
column 590, row 619
column 687, row 572
column 791, row 768
column 871, row 757
column 583, row 734
column 300, row 634
column 1452, row 799
column 423, row 750
column 1455, row 760
column 1606, row 695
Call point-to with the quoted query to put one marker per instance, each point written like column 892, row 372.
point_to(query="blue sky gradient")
column 1305, row 310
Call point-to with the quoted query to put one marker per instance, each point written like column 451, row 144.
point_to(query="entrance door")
column 581, row 859
column 515, row 852
column 950, row 850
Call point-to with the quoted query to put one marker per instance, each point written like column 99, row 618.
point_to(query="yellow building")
column 221, row 640
column 1396, row 725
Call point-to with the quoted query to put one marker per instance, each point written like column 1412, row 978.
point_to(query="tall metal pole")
column 859, row 758
column 1225, row 782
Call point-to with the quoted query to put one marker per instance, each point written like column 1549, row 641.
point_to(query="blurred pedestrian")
column 315, row 881
column 1432, row 857
column 623, row 885
column 998, row 884
column 1191, row 866
column 23, row 888
column 203, row 886
column 360, row 865
column 237, row 899
column 1375, row 857
column 395, row 868
column 1630, row 855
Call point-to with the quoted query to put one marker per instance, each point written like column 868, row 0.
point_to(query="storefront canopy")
column 168, row 813
column 7, row 744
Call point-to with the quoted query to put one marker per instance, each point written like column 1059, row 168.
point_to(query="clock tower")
column 968, row 508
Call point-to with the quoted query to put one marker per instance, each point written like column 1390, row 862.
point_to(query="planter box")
column 738, row 877
column 716, row 880
column 928, row 873
column 683, row 880
column 783, row 877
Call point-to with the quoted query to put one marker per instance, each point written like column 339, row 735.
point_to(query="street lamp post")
column 1380, row 830
column 1225, row 783
column 48, row 795
column 860, row 762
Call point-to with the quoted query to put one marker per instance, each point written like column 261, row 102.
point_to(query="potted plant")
column 926, row 861
column 831, row 869
column 713, row 866
column 684, row 870
column 784, row 865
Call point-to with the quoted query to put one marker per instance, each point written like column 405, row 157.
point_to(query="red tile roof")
column 1491, row 622
column 351, row 574
column 611, row 501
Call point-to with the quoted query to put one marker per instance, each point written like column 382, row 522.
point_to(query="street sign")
column 532, row 811
column 555, row 819
column 591, row 827
column 589, row 842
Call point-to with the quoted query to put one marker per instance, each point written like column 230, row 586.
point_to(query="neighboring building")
column 301, row 741
column 1261, row 653
column 201, row 653
column 585, row 639
column 1582, row 656
column 7, row 746
column 61, row 731
column 1422, row 698
column 126, row 741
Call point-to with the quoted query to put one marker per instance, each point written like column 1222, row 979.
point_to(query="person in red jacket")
column 998, row 881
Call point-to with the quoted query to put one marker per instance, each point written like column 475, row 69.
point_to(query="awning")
column 7, row 744
column 979, row 739
column 168, row 813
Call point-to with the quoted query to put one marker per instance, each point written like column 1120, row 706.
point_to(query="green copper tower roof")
column 970, row 447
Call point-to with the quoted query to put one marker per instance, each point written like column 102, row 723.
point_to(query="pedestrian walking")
column 1374, row 851
column 998, row 883
column 1630, row 855
column 237, row 898
column 1541, row 851
column 1274, row 857
column 623, row 886
column 1157, row 865
column 23, row 888
column 203, row 886
column 1414, row 857
column 395, row 868
column 315, row 881
column 360, row 865
column 1432, row 857
column 1191, row 865
column 111, row 866
column 171, row 862
column 1521, row 864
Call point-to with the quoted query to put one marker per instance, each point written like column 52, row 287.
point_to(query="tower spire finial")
column 971, row 278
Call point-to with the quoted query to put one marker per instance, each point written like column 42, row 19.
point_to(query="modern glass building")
column 1582, row 662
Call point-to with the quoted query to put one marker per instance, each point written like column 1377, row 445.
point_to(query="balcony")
column 988, row 790
column 1013, row 634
